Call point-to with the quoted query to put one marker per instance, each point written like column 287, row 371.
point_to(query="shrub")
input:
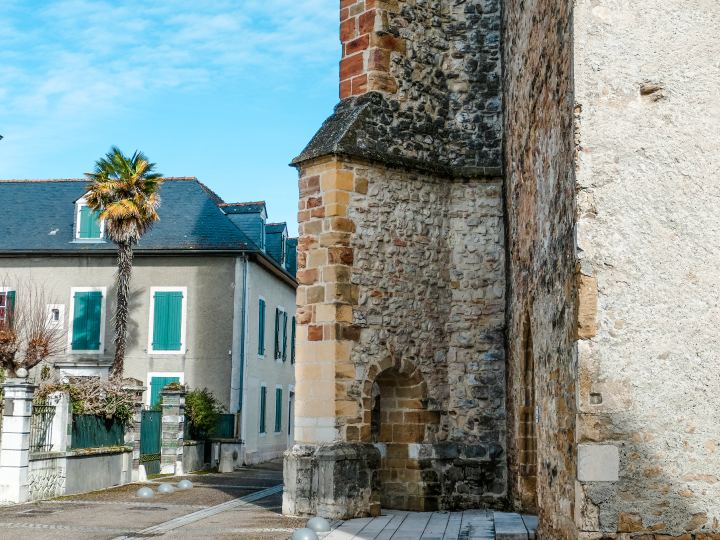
column 203, row 409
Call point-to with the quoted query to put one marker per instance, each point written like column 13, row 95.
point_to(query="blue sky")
column 227, row 91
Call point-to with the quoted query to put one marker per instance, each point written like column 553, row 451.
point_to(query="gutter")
column 243, row 345
column 113, row 252
column 259, row 256
column 244, row 348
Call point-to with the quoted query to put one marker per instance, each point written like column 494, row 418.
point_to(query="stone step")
column 531, row 524
column 509, row 526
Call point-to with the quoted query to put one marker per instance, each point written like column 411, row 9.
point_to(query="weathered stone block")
column 598, row 463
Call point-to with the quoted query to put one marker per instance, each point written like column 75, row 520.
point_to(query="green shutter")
column 87, row 311
column 157, row 384
column 261, row 328
column 277, row 333
column 284, row 334
column 263, row 391
column 278, row 410
column 292, row 341
column 84, row 222
column 94, row 310
column 94, row 226
column 167, row 321
column 89, row 224
column 10, row 308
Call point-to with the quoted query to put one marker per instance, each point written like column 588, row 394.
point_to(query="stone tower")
column 508, row 266
column 400, row 352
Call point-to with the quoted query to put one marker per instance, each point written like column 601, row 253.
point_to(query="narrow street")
column 243, row 505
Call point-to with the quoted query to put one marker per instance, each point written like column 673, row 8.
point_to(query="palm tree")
column 125, row 192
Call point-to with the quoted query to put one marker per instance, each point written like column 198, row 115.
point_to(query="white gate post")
column 15, row 446
column 60, row 437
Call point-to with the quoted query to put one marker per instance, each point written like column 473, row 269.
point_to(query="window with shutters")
column 261, row 328
column 7, row 307
column 87, row 224
column 168, row 308
column 292, row 341
column 280, row 333
column 87, row 320
column 263, row 400
column 278, row 409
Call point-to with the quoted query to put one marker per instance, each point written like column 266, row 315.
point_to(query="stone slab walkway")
column 467, row 525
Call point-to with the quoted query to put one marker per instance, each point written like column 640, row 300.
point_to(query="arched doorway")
column 527, row 436
column 399, row 417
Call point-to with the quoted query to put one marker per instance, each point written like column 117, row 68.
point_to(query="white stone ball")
column 318, row 524
column 304, row 534
column 165, row 488
column 145, row 493
column 185, row 484
column 22, row 373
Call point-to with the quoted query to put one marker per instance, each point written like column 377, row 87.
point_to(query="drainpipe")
column 243, row 351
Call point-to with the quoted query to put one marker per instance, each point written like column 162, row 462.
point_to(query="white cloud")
column 69, row 64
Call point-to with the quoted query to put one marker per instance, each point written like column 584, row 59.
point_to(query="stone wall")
column 646, row 87
column 539, row 199
column 403, row 273
column 440, row 60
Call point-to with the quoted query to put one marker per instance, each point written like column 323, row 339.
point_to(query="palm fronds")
column 126, row 193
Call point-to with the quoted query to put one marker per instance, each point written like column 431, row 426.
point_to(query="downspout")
column 243, row 351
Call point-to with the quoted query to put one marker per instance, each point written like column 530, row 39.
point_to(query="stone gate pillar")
column 173, row 429
column 15, row 446
column 132, row 435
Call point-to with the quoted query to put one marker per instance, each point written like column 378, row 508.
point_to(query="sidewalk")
column 467, row 525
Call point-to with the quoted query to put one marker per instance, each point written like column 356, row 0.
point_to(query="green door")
column 150, row 434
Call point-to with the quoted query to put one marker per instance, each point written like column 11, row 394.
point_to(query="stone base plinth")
column 335, row 481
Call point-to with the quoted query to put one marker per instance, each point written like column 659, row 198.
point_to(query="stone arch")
column 527, row 428
column 399, row 423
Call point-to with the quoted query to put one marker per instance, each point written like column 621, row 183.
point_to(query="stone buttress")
column 400, row 395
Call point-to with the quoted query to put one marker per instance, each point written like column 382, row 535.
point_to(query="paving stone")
column 509, row 526
column 531, row 523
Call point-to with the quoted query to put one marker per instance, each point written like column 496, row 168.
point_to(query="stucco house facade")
column 208, row 293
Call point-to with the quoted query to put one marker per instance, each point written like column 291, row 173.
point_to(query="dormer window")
column 87, row 225
column 283, row 253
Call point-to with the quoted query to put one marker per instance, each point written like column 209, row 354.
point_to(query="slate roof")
column 190, row 219
column 243, row 208
column 271, row 228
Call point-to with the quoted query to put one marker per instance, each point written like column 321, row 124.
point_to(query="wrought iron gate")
column 150, row 434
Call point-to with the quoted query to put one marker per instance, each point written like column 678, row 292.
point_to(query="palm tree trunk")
column 125, row 256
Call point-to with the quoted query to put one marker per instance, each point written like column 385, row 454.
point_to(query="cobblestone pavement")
column 220, row 506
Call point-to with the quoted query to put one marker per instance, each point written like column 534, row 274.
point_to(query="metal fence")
column 224, row 429
column 41, row 427
column 90, row 431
